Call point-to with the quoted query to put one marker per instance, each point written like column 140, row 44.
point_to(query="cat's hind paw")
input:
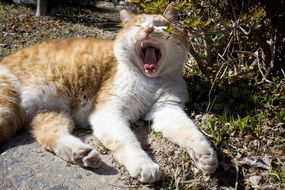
column 207, row 163
column 75, row 151
column 204, row 157
column 87, row 158
column 144, row 170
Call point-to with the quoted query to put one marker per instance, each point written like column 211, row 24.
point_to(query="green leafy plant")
column 226, row 38
column 280, row 116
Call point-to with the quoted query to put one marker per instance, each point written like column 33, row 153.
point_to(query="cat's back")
column 61, row 74
column 61, row 56
column 74, row 64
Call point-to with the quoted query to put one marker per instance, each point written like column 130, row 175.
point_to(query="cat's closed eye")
column 138, row 25
column 159, row 23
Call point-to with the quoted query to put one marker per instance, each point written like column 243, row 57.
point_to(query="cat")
column 56, row 86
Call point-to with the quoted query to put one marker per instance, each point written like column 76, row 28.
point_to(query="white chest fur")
column 133, row 93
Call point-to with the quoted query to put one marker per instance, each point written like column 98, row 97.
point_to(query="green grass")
column 280, row 116
column 277, row 176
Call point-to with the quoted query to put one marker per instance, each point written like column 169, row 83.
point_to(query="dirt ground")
column 19, row 28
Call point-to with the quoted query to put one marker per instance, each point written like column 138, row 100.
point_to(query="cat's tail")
column 10, row 111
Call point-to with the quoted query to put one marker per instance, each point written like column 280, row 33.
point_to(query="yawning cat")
column 56, row 86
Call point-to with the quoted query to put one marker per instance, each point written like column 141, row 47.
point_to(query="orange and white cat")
column 56, row 86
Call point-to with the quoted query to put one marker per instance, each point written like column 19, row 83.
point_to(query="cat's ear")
column 171, row 13
column 126, row 15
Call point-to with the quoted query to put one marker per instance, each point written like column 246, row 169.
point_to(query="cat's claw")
column 204, row 157
column 144, row 170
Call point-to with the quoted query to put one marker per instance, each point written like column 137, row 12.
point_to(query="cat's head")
column 147, row 42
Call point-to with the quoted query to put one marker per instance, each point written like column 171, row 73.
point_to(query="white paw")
column 74, row 150
column 203, row 155
column 143, row 169
column 86, row 157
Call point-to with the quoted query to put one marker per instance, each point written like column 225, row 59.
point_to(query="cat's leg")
column 10, row 112
column 114, row 132
column 178, row 128
column 53, row 131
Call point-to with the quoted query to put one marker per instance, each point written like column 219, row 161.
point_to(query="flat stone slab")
column 25, row 165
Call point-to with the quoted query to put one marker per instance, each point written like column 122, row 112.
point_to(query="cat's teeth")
column 150, row 72
column 141, row 44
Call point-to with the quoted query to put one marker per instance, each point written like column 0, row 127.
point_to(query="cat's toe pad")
column 92, row 160
column 87, row 157
column 144, row 170
column 207, row 163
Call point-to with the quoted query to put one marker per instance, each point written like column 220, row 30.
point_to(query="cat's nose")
column 148, row 29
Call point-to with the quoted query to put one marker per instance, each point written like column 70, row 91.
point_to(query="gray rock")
column 22, row 178
column 59, row 187
column 23, row 167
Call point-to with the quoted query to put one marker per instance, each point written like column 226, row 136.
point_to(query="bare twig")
column 201, row 63
column 210, row 104
column 270, row 66
column 124, row 186
column 266, row 50
column 237, row 175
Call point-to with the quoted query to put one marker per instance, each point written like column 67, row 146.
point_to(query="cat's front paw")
column 144, row 170
column 204, row 156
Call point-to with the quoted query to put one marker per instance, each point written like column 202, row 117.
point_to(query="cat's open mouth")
column 150, row 54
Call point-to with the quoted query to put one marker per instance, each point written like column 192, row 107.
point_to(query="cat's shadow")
column 104, row 169
column 22, row 138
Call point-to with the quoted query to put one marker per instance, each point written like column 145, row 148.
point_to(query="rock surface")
column 25, row 165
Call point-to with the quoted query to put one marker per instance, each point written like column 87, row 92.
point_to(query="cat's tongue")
column 150, row 60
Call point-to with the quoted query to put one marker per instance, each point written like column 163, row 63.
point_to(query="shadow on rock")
column 20, row 139
column 104, row 169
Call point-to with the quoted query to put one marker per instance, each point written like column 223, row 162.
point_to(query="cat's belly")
column 34, row 99
column 81, row 114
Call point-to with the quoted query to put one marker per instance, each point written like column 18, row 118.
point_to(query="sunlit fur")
column 59, row 85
